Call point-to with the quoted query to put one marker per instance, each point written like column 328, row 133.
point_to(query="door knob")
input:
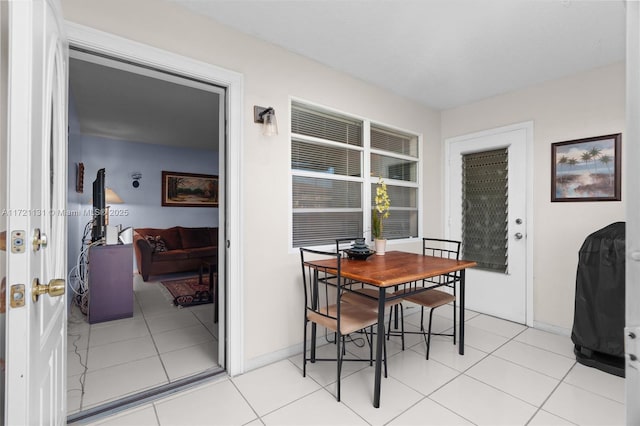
column 54, row 288
column 518, row 235
column 39, row 239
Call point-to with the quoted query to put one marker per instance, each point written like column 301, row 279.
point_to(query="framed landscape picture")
column 586, row 169
column 189, row 190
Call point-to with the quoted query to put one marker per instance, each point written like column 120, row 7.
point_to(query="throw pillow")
column 157, row 243
column 161, row 245
column 152, row 242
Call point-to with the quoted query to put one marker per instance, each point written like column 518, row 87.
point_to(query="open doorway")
column 136, row 122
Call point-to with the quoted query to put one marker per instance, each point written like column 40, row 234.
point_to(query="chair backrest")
column 438, row 247
column 322, row 286
column 449, row 249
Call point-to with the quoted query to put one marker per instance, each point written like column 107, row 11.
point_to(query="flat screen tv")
column 98, row 229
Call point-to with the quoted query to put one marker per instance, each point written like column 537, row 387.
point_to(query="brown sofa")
column 177, row 249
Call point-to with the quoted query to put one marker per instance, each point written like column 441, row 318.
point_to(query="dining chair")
column 434, row 298
column 367, row 296
column 323, row 290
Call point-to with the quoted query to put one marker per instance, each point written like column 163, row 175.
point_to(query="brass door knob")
column 55, row 288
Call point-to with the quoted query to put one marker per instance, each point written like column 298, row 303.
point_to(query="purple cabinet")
column 110, row 282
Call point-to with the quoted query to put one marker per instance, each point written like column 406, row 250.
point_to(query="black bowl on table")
column 359, row 254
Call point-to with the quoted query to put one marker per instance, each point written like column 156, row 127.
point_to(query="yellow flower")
column 381, row 211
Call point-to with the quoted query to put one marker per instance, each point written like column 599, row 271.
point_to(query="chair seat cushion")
column 352, row 318
column 431, row 298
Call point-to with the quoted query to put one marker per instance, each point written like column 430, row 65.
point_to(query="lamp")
column 110, row 197
column 266, row 116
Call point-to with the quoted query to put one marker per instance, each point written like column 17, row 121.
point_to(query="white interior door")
column 503, row 293
column 631, row 157
column 36, row 174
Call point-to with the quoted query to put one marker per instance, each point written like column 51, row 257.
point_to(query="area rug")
column 187, row 291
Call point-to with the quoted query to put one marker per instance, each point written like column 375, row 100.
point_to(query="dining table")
column 405, row 270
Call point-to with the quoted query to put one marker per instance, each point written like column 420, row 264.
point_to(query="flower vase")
column 380, row 246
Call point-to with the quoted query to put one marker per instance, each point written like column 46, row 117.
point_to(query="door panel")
column 36, row 331
column 501, row 294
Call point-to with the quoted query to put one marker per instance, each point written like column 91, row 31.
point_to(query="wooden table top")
column 395, row 267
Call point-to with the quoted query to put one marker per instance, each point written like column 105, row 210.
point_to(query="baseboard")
column 271, row 357
column 286, row 353
column 552, row 328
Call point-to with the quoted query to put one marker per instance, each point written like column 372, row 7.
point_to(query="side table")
column 110, row 282
column 211, row 267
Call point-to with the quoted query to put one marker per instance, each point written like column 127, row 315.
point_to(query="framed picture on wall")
column 586, row 169
column 189, row 190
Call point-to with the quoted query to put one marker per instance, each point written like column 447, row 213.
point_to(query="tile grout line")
column 550, row 394
column 155, row 345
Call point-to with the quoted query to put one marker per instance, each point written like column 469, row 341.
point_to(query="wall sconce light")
column 136, row 176
column 266, row 116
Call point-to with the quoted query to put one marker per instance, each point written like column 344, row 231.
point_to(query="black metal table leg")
column 461, row 332
column 379, row 342
column 213, row 289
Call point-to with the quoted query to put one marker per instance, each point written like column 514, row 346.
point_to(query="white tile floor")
column 510, row 375
column 159, row 344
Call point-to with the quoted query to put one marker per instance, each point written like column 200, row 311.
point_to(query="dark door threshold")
column 141, row 398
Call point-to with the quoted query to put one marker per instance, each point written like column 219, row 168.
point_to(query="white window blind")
column 394, row 157
column 328, row 159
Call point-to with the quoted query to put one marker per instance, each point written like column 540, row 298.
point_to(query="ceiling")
column 119, row 101
column 441, row 53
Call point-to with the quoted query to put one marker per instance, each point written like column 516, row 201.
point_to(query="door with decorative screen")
column 487, row 193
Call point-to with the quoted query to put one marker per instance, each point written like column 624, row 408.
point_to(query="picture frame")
column 189, row 189
column 79, row 178
column 586, row 169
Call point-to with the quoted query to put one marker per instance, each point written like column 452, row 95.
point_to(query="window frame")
column 366, row 179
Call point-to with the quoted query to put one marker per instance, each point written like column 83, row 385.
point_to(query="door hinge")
column 632, row 346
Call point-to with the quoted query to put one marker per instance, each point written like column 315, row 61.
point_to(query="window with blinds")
column 485, row 207
column 394, row 158
column 329, row 156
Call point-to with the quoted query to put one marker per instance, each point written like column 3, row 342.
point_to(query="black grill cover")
column 599, row 316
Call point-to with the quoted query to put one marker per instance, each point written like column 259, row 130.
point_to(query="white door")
column 631, row 149
column 36, row 173
column 499, row 292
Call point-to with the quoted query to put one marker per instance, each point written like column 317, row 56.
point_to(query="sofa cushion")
column 168, row 256
column 147, row 231
column 200, row 252
column 171, row 237
column 194, row 237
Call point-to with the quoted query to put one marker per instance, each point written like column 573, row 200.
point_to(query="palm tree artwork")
column 583, row 168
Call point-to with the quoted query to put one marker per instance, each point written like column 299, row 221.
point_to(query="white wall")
column 584, row 105
column 273, row 293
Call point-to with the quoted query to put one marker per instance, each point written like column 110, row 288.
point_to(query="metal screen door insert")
column 485, row 206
